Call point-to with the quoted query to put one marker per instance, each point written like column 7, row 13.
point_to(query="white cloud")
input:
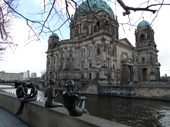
column 26, row 57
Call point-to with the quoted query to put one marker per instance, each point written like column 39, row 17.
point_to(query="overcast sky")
column 32, row 56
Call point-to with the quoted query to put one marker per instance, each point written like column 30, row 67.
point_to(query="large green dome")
column 96, row 6
column 143, row 24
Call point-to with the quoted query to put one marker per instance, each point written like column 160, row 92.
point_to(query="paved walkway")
column 9, row 120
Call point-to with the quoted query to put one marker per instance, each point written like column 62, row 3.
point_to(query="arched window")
column 53, row 68
column 70, row 67
column 83, row 54
column 82, row 76
column 48, row 62
column 97, row 75
column 152, row 37
column 90, row 53
column 108, row 51
column 90, row 65
column 82, row 65
column 95, row 28
column 151, row 59
column 107, row 63
column 113, row 52
column 142, row 36
column 148, row 35
column 58, row 59
column 113, row 31
column 113, row 67
column 62, row 66
column 76, row 31
column 98, row 51
column 98, row 24
column 143, row 60
column 102, row 26
column 54, row 61
column 84, row 26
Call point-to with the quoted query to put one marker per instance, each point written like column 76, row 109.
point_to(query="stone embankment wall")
column 91, row 89
column 8, row 84
column 36, row 115
column 160, row 93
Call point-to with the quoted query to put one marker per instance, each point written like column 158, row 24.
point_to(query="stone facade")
column 11, row 76
column 94, row 54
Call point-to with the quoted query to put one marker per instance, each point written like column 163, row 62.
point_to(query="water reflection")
column 5, row 86
column 165, row 113
column 131, row 112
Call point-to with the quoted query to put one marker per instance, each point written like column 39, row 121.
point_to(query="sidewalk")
column 9, row 120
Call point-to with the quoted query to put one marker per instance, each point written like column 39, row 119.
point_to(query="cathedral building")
column 94, row 54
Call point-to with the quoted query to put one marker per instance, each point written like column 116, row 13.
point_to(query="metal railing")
column 160, row 84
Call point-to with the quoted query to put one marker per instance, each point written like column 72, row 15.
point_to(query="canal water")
column 128, row 111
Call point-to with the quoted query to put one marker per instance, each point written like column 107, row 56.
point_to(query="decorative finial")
column 143, row 18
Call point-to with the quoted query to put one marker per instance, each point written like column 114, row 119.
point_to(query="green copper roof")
column 143, row 24
column 156, row 63
column 53, row 35
column 96, row 6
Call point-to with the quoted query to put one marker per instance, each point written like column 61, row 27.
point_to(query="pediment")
column 125, row 41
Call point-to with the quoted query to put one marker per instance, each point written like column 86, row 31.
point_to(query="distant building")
column 34, row 78
column 11, row 76
column 95, row 54
column 33, row 75
column 26, row 75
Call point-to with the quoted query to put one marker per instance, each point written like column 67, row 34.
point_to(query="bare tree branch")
column 127, row 8
column 58, row 11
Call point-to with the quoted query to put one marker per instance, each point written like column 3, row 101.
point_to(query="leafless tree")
column 6, row 19
column 43, row 74
column 59, row 10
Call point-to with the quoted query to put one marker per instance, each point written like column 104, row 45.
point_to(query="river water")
column 128, row 111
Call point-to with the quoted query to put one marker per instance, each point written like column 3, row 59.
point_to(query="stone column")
column 47, row 64
column 93, row 56
column 77, row 58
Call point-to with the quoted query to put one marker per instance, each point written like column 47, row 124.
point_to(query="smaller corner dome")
column 54, row 35
column 143, row 24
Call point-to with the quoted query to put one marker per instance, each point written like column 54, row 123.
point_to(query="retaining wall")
column 160, row 93
column 36, row 115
